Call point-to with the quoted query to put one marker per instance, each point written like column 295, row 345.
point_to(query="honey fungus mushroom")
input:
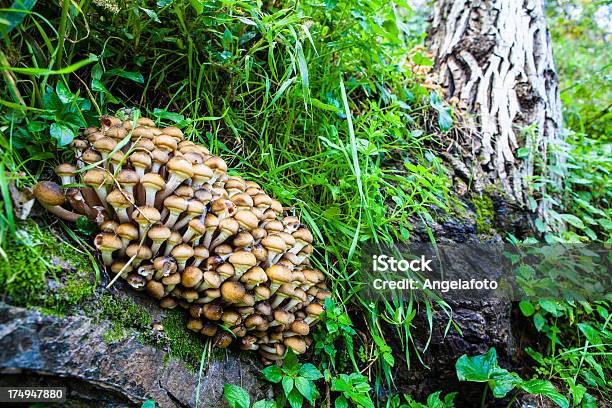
column 174, row 225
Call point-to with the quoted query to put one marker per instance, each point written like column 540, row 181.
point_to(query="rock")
column 46, row 350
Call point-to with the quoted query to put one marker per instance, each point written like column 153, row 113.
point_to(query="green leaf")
column 152, row 14
column 148, row 404
column 306, row 388
column 476, row 368
column 420, row 59
column 310, row 372
column 132, row 76
column 64, row 93
column 542, row 387
column 539, row 321
column 573, row 220
column 295, row 399
column 197, row 6
column 62, row 133
column 341, row 402
column 526, row 307
column 290, row 363
column 236, row 396
column 264, row 404
column 502, row 382
column 18, row 11
column 273, row 374
column 590, row 333
column 287, row 385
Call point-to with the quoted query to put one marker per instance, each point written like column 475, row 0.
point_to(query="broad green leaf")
column 502, row 382
column 290, row 364
column 590, row 333
column 264, row 404
column 62, row 133
column 287, row 383
column 132, row 76
column 573, row 220
column 148, row 404
column 152, row 14
column 310, row 372
column 272, row 373
column 542, row 387
column 295, row 399
column 306, row 388
column 341, row 402
column 236, row 396
column 476, row 368
column 526, row 307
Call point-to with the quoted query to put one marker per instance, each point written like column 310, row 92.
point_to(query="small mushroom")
column 152, row 183
column 232, row 291
column 67, row 172
column 182, row 253
column 50, row 196
column 120, row 201
column 242, row 261
column 158, row 234
column 107, row 244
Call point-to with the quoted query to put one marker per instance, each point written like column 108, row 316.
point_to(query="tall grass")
column 312, row 100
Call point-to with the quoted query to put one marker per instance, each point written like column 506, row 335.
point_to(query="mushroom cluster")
column 174, row 224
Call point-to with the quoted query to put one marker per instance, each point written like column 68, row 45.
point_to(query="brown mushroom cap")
column 232, row 291
column 191, row 276
column 297, row 344
column 223, row 339
column 279, row 273
column 246, row 219
column 49, row 193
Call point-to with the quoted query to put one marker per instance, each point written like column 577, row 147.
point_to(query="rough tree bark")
column 495, row 58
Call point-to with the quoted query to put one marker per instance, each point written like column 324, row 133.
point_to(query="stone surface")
column 36, row 349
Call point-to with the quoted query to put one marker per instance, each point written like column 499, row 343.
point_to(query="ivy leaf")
column 236, row 396
column 310, row 372
column 272, row 373
column 306, row 388
column 62, row 133
column 542, row 387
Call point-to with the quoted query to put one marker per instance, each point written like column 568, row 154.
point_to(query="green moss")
column 485, row 211
column 121, row 311
column 182, row 343
column 41, row 270
column 116, row 333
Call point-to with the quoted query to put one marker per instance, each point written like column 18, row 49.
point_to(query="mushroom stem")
column 150, row 197
column 123, row 215
column 291, row 304
column 62, row 212
column 185, row 220
column 172, row 217
column 223, row 235
column 173, row 182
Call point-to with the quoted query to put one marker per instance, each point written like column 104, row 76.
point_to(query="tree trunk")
column 495, row 58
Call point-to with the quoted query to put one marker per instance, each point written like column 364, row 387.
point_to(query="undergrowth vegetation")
column 298, row 97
